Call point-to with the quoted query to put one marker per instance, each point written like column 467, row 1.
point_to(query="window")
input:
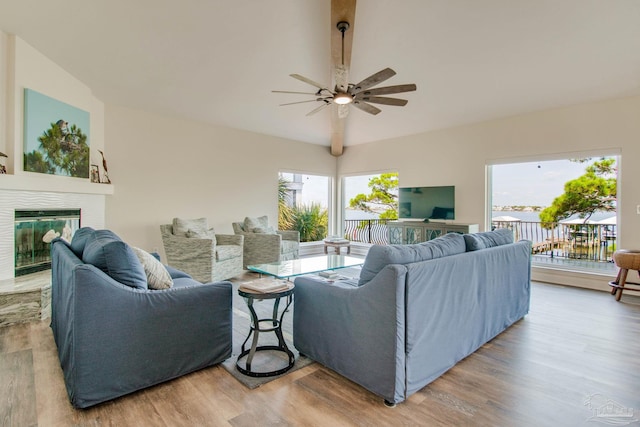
column 566, row 207
column 304, row 204
column 369, row 201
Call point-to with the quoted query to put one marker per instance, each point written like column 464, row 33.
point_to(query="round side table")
column 270, row 324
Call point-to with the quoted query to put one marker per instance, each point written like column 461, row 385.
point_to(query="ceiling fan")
column 361, row 95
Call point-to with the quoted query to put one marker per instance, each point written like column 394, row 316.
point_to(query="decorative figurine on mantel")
column 105, row 175
column 3, row 169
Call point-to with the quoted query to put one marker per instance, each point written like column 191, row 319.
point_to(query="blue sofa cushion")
column 488, row 239
column 105, row 250
column 381, row 255
column 79, row 240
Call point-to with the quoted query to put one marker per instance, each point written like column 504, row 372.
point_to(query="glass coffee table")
column 298, row 267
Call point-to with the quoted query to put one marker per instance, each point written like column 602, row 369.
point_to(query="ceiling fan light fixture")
column 342, row 98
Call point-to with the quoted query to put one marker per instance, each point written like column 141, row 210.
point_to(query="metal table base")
column 273, row 324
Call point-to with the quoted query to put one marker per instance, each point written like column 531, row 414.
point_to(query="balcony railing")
column 366, row 231
column 590, row 242
column 593, row 242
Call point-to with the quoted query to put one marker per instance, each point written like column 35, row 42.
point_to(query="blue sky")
column 533, row 183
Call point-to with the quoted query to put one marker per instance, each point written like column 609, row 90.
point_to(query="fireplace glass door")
column 34, row 230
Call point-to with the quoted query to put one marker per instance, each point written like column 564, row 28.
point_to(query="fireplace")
column 34, row 230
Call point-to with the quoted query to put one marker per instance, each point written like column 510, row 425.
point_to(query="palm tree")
column 285, row 218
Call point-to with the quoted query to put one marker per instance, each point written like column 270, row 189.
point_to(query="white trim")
column 606, row 152
column 578, row 279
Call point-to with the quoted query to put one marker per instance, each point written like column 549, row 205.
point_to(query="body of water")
column 535, row 216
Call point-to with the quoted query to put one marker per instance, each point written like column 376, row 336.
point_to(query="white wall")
column 28, row 68
column 165, row 167
column 458, row 156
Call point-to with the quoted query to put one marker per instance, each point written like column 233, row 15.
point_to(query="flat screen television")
column 436, row 203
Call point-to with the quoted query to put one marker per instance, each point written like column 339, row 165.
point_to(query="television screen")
column 427, row 203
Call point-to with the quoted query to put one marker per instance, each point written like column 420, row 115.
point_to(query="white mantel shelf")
column 52, row 183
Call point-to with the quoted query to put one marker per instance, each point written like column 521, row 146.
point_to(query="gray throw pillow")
column 251, row 223
column 198, row 234
column 488, row 239
column 182, row 226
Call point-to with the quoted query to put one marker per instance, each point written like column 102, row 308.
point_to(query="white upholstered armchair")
column 264, row 244
column 206, row 256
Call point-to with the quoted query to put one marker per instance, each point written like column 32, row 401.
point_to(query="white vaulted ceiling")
column 217, row 61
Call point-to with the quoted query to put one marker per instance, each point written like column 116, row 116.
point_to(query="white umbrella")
column 505, row 218
column 608, row 221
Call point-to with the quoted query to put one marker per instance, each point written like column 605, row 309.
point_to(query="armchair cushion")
column 157, row 276
column 105, row 250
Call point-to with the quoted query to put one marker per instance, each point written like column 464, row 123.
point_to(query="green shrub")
column 312, row 221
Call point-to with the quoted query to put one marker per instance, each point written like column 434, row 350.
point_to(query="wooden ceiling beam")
column 341, row 10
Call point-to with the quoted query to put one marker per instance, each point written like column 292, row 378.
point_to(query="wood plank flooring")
column 575, row 350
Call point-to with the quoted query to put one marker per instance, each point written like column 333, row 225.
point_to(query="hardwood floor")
column 573, row 352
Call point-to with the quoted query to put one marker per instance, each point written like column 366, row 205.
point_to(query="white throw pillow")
column 157, row 276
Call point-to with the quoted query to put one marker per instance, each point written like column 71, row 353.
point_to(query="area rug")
column 263, row 360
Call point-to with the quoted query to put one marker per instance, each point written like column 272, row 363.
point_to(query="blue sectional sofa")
column 115, row 335
column 415, row 311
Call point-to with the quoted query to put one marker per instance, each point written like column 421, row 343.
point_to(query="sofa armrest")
column 356, row 331
column 289, row 235
column 125, row 339
column 230, row 239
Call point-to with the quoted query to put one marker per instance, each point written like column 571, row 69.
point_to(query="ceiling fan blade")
column 298, row 93
column 315, row 110
column 309, row 81
column 387, row 101
column 374, row 79
column 368, row 108
column 301, row 102
column 387, row 90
